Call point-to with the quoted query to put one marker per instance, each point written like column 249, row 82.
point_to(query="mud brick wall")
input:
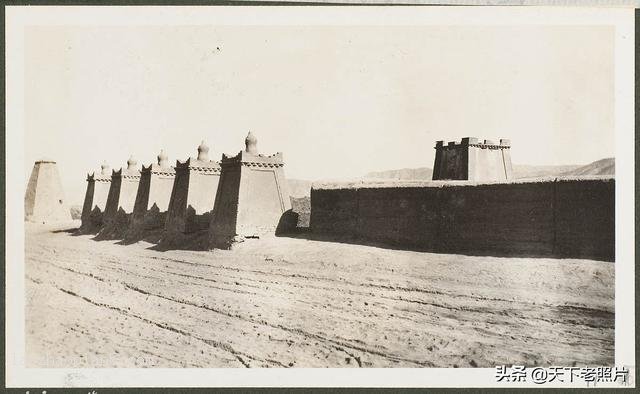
column 563, row 218
column 585, row 220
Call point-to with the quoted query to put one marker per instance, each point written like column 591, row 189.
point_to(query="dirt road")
column 286, row 302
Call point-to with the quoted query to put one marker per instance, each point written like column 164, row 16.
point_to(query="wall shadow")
column 171, row 240
column 307, row 234
column 73, row 231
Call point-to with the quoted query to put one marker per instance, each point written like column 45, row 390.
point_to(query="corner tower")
column 473, row 160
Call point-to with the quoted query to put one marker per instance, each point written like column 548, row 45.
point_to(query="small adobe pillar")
column 122, row 195
column 152, row 198
column 95, row 198
column 194, row 192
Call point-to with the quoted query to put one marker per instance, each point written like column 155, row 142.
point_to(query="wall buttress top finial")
column 104, row 168
column 163, row 159
column 131, row 163
column 251, row 143
column 203, row 151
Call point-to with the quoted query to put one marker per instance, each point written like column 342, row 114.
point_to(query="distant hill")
column 526, row 171
column 404, row 174
column 299, row 188
column 601, row 167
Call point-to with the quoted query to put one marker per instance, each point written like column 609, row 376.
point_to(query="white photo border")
column 20, row 17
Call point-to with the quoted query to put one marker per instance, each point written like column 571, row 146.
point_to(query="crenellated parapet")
column 474, row 142
column 130, row 172
column 161, row 167
column 473, row 159
column 103, row 175
column 123, row 173
column 93, row 177
column 193, row 164
column 156, row 169
column 254, row 160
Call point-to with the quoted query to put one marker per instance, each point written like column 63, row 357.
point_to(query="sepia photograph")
column 403, row 190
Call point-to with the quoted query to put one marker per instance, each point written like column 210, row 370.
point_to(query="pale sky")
column 337, row 101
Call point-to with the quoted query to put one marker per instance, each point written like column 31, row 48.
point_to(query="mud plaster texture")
column 562, row 217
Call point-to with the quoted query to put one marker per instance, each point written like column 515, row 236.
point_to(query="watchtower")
column 473, row 160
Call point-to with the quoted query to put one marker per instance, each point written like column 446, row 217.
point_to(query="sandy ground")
column 292, row 302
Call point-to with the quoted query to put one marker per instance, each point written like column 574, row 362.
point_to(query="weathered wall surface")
column 122, row 196
column 225, row 212
column 152, row 200
column 120, row 203
column 451, row 162
column 192, row 199
column 565, row 218
column 87, row 206
column 262, row 201
column 178, row 202
column 585, row 219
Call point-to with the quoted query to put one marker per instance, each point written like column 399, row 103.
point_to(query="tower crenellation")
column 473, row 159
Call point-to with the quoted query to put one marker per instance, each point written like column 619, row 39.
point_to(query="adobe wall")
column 225, row 212
column 122, row 195
column 120, row 201
column 557, row 217
column 152, row 198
column 95, row 201
column 262, row 200
column 192, row 197
column 178, row 202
